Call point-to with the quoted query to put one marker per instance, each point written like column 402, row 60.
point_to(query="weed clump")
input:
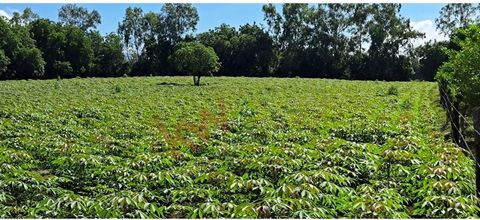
column 392, row 90
column 117, row 89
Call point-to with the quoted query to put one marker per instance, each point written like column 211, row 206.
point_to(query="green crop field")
column 158, row 147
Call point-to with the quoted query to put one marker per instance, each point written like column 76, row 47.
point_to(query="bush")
column 392, row 90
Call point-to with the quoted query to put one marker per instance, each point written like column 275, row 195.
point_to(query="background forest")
column 345, row 41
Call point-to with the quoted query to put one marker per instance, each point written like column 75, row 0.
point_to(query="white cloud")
column 3, row 13
column 427, row 27
column 8, row 12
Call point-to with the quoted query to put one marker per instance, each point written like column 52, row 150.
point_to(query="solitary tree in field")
column 195, row 59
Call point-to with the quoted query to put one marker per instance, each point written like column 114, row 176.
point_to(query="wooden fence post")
column 451, row 110
column 476, row 148
column 462, row 125
column 455, row 120
column 445, row 105
column 443, row 98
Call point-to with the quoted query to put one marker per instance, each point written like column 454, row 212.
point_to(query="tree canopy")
column 461, row 71
column 248, row 50
column 19, row 58
column 71, row 14
column 456, row 15
column 195, row 59
column 346, row 41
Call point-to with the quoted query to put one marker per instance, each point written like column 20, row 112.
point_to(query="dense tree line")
column 349, row 41
column 353, row 41
column 248, row 51
column 34, row 47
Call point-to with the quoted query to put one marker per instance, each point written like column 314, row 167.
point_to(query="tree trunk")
column 360, row 41
column 476, row 145
column 195, row 81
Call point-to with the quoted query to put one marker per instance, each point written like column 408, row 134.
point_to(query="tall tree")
column 456, row 15
column 330, row 42
column 321, row 33
column 390, row 41
column 151, row 25
column 358, row 42
column 25, row 18
column 132, row 31
column 290, row 30
column 161, row 32
column 72, row 14
column 176, row 20
column 358, row 22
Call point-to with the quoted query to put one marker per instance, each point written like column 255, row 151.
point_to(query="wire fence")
column 454, row 126
column 459, row 113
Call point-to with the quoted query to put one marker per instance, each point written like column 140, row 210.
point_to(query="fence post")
column 452, row 115
column 462, row 126
column 443, row 98
column 476, row 148
column 445, row 105
column 455, row 123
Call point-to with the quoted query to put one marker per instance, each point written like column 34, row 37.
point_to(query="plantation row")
column 158, row 147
